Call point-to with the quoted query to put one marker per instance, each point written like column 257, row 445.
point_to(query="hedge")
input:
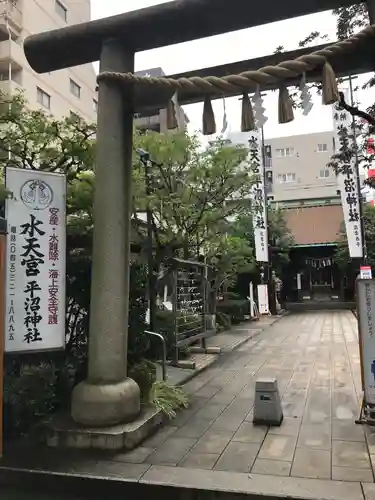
column 236, row 309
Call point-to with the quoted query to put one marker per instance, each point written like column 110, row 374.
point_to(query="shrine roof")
column 161, row 25
column 314, row 225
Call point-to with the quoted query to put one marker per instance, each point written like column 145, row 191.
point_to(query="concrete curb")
column 168, row 483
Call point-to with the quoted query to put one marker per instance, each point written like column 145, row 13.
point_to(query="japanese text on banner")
column 259, row 200
column 347, row 179
column 35, row 261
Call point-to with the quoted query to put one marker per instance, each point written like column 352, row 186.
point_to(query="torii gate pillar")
column 108, row 397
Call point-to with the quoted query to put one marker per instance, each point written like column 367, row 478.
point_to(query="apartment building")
column 296, row 167
column 158, row 122
column 61, row 93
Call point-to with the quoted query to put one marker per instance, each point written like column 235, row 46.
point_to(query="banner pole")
column 2, row 326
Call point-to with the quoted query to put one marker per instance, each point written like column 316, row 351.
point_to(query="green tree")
column 34, row 140
column 280, row 238
column 193, row 191
column 228, row 257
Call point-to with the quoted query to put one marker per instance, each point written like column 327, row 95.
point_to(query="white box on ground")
column 267, row 406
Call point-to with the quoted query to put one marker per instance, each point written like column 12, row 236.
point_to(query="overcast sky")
column 231, row 47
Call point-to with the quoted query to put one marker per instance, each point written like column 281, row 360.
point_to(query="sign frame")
column 368, row 400
column 41, row 176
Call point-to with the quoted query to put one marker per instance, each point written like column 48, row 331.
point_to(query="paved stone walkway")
column 318, row 453
column 315, row 359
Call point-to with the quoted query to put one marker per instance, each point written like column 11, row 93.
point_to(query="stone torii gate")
column 108, row 397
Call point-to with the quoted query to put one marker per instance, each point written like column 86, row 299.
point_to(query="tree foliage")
column 34, row 140
column 280, row 237
column 193, row 193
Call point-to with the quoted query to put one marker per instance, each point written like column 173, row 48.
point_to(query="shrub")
column 168, row 398
column 144, row 373
column 28, row 395
column 223, row 320
column 235, row 309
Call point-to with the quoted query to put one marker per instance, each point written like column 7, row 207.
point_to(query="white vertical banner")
column 347, row 179
column 258, row 198
column 263, row 302
column 35, row 261
column 366, row 320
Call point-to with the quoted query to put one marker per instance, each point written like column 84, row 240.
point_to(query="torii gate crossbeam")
column 165, row 24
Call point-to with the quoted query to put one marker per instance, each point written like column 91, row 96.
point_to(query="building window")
column 43, row 98
column 267, row 151
column 285, row 152
column 285, row 178
column 324, row 173
column 61, row 10
column 322, row 148
column 95, row 105
column 75, row 89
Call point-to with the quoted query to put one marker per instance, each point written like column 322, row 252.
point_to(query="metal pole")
column 263, row 267
column 268, row 266
column 10, row 76
column 360, row 204
column 150, row 256
column 266, row 203
column 164, row 351
column 2, row 327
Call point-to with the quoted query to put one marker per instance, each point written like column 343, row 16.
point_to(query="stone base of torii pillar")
column 63, row 432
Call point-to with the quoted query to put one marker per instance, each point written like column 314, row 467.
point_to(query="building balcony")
column 148, row 123
column 8, row 88
column 11, row 56
column 11, row 19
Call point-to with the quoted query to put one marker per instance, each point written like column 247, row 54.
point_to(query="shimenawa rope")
column 247, row 79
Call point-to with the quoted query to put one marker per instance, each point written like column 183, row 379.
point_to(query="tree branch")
column 354, row 111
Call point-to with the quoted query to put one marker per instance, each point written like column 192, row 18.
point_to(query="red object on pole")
column 370, row 146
